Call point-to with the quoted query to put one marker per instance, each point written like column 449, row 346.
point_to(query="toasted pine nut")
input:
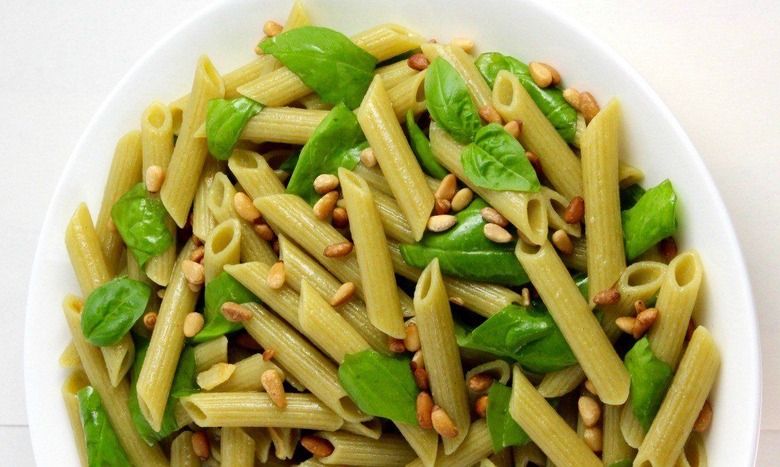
column 639, row 306
column 421, row 378
column 214, row 376
column 644, row 321
column 340, row 218
column 480, row 382
column 466, row 44
column 556, row 77
column 245, row 208
column 442, row 423
column 268, row 354
column 514, row 128
column 235, row 313
column 319, row 447
column 626, row 324
column 457, row 301
column 276, row 275
column 264, row 231
column 590, row 412
column 272, row 28
column 412, row 338
column 480, row 406
column 441, row 222
column 562, row 241
column 541, row 75
column 338, row 250
column 575, row 211
column 325, row 183
column 590, row 387
column 593, row 438
column 526, row 295
column 395, row 345
column 342, row 294
column 462, row 199
column 489, row 114
column 274, row 386
column 496, row 233
column 193, row 272
column 535, row 163
column 161, row 293
column 668, row 248
column 196, row 255
column 150, row 319
column 442, row 206
column 325, row 205
column 246, row 341
column 588, row 106
column 201, row 445
column 258, row 50
column 418, row 62
column 572, row 96
column 194, row 287
column 418, row 361
column 493, row 216
column 447, row 187
column 424, row 409
column 155, row 176
column 367, row 157
column 193, row 323
column 607, row 297
column 195, row 240
column 111, row 226
column 704, row 420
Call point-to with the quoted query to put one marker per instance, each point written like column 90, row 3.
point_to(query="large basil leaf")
column 225, row 120
column 327, row 61
column 449, row 101
column 650, row 379
column 218, row 291
column 381, row 385
column 497, row 161
column 140, row 220
column 336, row 142
column 112, row 309
column 504, row 430
column 422, row 149
column 650, row 220
column 103, row 446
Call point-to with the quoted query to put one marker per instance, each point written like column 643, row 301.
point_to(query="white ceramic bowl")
column 651, row 139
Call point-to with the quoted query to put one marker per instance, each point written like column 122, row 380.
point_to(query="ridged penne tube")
column 545, row 427
column 256, row 409
column 254, row 174
column 223, row 247
column 423, row 442
column 162, row 356
column 393, row 221
column 396, row 158
column 237, row 447
column 578, row 259
column 529, row 453
column 524, row 210
column 689, row 390
column 475, row 447
column 113, row 398
column 285, row 441
column 628, row 174
column 326, row 328
column 283, row 125
column 555, row 204
column 262, row 441
column 189, row 153
column 395, row 73
column 559, row 163
column 220, row 202
column 299, row 266
column 408, row 95
column 69, row 358
column 247, row 375
column 375, row 179
column 119, row 358
column 388, row 40
column 72, row 385
column 182, row 453
column 606, row 257
column 440, row 351
column 294, row 218
column 370, row 428
column 303, row 361
column 464, row 65
column 202, row 218
column 314, row 102
column 210, row 353
column 615, row 447
column 283, row 301
column 374, row 263
column 695, row 454
column 352, row 449
column 576, row 321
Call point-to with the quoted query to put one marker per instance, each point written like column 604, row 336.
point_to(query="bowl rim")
column 730, row 236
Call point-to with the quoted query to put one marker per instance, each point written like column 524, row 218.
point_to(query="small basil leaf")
column 651, row 220
column 422, row 149
column 289, row 164
column 112, row 309
column 327, row 61
column 629, row 196
column 140, row 220
column 218, row 291
column 504, row 430
column 103, row 446
column 336, row 142
column 449, row 101
column 650, row 379
column 497, row 161
column 225, row 120
column 381, row 385
column 490, row 64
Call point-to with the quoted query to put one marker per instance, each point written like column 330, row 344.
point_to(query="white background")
column 714, row 63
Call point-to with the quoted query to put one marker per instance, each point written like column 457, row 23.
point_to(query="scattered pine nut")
column 442, row 206
column 268, row 354
column 150, row 319
column 325, row 183
column 644, row 321
column 276, row 275
column 338, row 250
column 264, row 231
column 562, row 241
column 418, row 361
column 245, row 208
column 395, row 345
column 608, row 296
column 572, row 96
column 514, row 128
column 447, row 188
column 412, row 338
column 493, row 216
column 590, row 411
column 258, row 50
column 193, row 323
column 457, row 301
column 526, row 296
column 342, row 294
column 442, row 423
column 556, row 77
column 161, row 293
column 668, row 248
column 319, row 447
column 462, row 199
column 421, row 378
column 441, row 222
column 235, row 313
column 588, row 106
column 704, row 420
column 155, row 176
column 541, row 74
column 195, row 240
column 590, row 387
column 466, row 44
column 418, row 62
column 246, row 341
column 424, row 409
column 489, row 114
column 196, row 255
column 480, row 382
column 496, row 233
column 367, row 157
column 639, row 306
column 325, row 205
column 340, row 218
column 535, row 163
column 593, row 438
column 201, row 445
column 193, row 272
column 480, row 406
column 214, row 376
column 274, row 387
column 272, row 28
column 575, row 211
column 626, row 324
column 194, row 287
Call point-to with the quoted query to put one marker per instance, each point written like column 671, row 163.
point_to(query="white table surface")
column 714, row 63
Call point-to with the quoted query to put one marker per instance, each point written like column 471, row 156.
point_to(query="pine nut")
column 319, row 447
column 466, row 44
column 556, row 77
column 457, row 301
column 342, row 294
column 246, row 341
column 161, row 293
column 418, row 62
column 639, row 306
column 424, row 409
column 196, row 255
column 562, row 241
column 235, row 313
column 412, row 338
column 276, row 275
column 272, row 28
column 194, row 287
column 704, row 420
column 264, row 231
column 325, row 205
column 193, row 272
column 245, row 208
column 668, row 248
column 338, row 250
column 493, row 216
column 421, row 378
column 155, row 176
column 340, row 218
column 480, row 406
column 489, row 114
column 575, row 211
column 214, row 376
column 593, row 438
column 395, row 345
column 644, row 321
column 626, row 324
column 442, row 423
column 195, row 240
column 193, row 323
column 535, row 163
column 514, row 128
column 325, row 183
column 572, row 96
column 590, row 387
column 447, row 188
column 367, row 157
column 480, row 382
column 590, row 412
column 441, row 222
column 418, row 361
column 607, row 297
column 200, row 445
column 540, row 74
column 496, row 233
column 274, row 387
column 442, row 206
column 526, row 296
column 268, row 354
column 588, row 106
column 258, row 50
column 462, row 199
column 150, row 319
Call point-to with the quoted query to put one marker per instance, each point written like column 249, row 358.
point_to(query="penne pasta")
column 223, row 247
column 464, row 65
column 182, row 453
column 237, row 447
column 210, row 353
column 254, row 174
column 73, row 384
column 475, row 446
column 351, row 449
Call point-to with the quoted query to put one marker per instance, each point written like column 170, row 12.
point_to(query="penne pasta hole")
column 644, row 273
column 349, row 405
column 420, row 95
column 212, row 74
column 423, row 285
column 685, row 269
column 198, row 416
column 74, row 303
column 400, row 30
column 527, row 249
column 219, row 196
column 244, row 159
column 221, row 239
column 504, row 92
column 537, row 218
column 157, row 115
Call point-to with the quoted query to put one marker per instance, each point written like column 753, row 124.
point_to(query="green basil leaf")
column 629, row 196
column 497, row 161
column 490, row 64
column 225, row 120
column 449, row 101
column 140, row 220
column 290, row 163
column 381, row 385
column 504, row 430
column 103, row 446
column 622, row 463
column 336, row 142
column 112, row 309
column 650, row 379
column 651, row 220
column 218, row 291
column 327, row 61
column 422, row 149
